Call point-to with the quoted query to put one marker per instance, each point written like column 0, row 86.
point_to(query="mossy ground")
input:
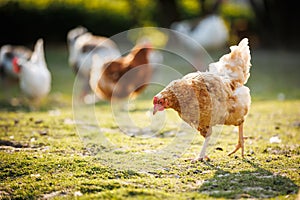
column 44, row 156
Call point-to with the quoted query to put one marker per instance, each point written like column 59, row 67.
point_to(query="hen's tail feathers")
column 236, row 65
column 38, row 56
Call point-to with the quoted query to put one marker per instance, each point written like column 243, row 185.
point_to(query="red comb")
column 15, row 61
column 16, row 67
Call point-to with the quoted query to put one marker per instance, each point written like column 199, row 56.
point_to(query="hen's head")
column 75, row 34
column 160, row 103
column 19, row 64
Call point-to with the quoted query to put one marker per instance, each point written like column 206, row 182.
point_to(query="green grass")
column 43, row 155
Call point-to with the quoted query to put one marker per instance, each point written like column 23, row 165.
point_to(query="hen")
column 82, row 46
column 121, row 77
column 218, row 96
column 34, row 76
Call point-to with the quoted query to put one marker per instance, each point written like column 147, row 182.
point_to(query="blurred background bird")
column 82, row 46
column 34, row 76
column 210, row 32
column 119, row 78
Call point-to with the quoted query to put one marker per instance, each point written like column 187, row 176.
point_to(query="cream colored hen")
column 205, row 99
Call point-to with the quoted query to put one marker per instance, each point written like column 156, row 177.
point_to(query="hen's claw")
column 238, row 146
column 240, row 142
column 194, row 160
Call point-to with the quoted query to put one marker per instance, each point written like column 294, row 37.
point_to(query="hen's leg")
column 240, row 142
column 87, row 94
column 202, row 154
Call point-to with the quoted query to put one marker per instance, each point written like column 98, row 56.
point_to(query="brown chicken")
column 218, row 96
column 122, row 77
column 82, row 46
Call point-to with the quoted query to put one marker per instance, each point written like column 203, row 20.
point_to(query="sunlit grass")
column 52, row 160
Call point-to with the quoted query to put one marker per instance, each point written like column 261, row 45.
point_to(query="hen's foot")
column 238, row 146
column 201, row 159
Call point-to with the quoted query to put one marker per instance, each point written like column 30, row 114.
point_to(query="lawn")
column 88, row 152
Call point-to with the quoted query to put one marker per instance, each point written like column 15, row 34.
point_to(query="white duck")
column 34, row 76
column 211, row 32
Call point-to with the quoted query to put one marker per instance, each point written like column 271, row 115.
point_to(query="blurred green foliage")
column 26, row 20
column 234, row 10
column 240, row 20
column 189, row 8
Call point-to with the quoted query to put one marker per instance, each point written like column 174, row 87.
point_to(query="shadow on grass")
column 25, row 105
column 7, row 106
column 26, row 108
column 258, row 183
column 12, row 144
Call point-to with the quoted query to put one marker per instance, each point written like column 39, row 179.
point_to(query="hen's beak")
column 155, row 109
